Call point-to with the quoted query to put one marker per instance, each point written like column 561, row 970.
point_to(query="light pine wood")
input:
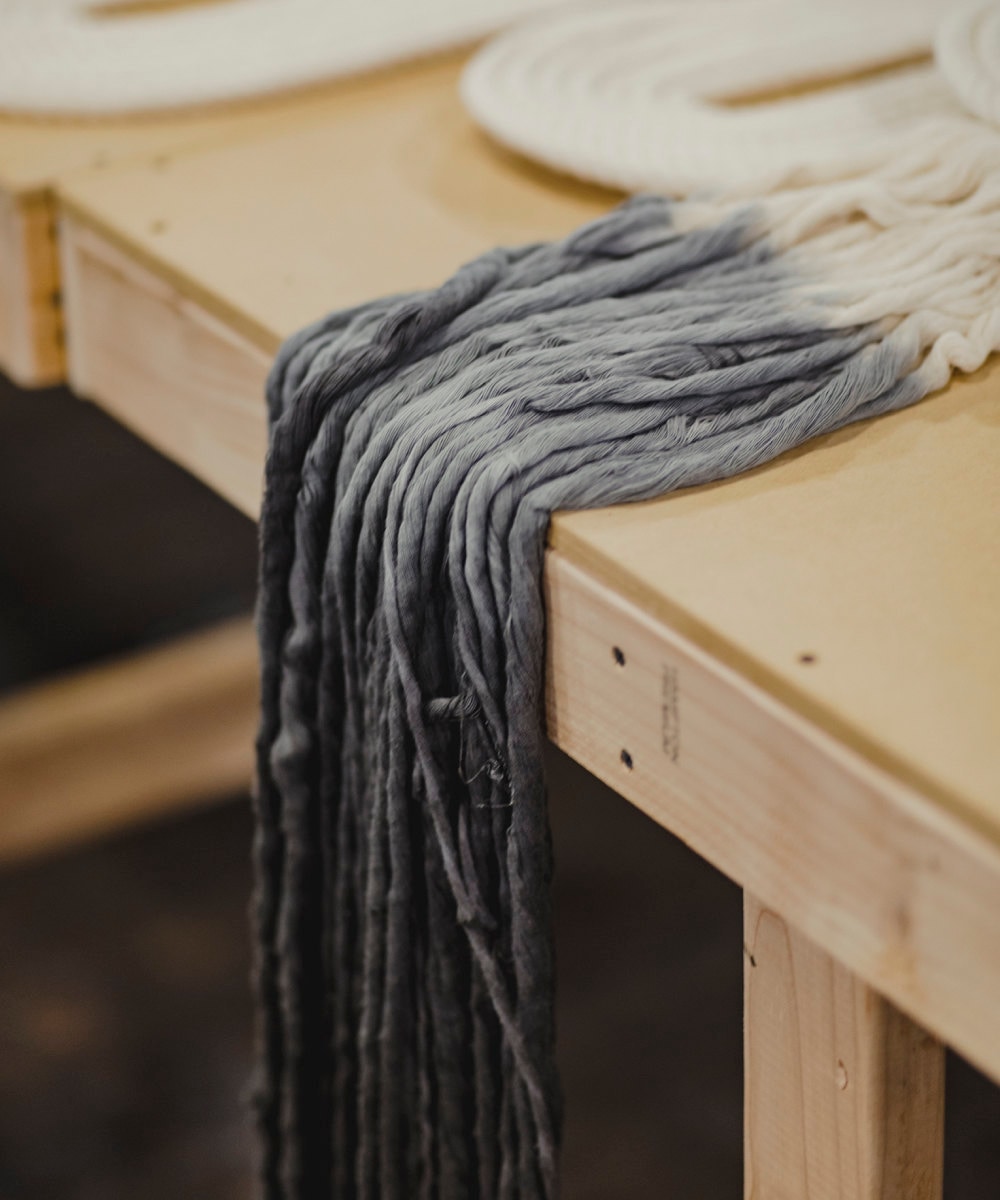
column 843, row 1094
column 884, row 879
column 100, row 748
column 31, row 351
column 392, row 191
column 853, row 790
column 879, row 874
column 857, row 579
column 164, row 367
column 38, row 155
column 110, row 9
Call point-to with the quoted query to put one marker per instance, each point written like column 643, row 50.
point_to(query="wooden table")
column 795, row 671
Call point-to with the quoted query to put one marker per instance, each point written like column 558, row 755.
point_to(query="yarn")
column 636, row 95
column 80, row 57
column 418, row 446
column 967, row 52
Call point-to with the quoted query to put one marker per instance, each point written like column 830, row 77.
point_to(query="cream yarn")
column 636, row 95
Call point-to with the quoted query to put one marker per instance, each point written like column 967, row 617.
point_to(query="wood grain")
column 38, row 155
column 153, row 733
column 858, row 579
column 882, row 878
column 877, row 873
column 31, row 351
column 843, row 1094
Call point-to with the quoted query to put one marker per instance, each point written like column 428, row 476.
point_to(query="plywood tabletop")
column 857, row 579
column 38, row 152
column 392, row 190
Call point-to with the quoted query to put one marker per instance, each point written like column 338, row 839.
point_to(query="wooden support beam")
column 152, row 733
column 844, row 1095
column 31, row 349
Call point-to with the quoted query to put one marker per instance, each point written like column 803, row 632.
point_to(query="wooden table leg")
column 153, row 732
column 844, row 1095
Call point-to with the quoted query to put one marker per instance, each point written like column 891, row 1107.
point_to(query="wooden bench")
column 795, row 671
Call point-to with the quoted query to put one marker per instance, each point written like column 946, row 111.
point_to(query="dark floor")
column 104, row 544
column 125, row 1044
column 125, row 1040
column 125, row 1030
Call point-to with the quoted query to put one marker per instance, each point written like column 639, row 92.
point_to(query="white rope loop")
column 636, row 95
column 880, row 193
column 79, row 58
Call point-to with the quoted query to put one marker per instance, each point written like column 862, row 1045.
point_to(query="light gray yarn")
column 418, row 447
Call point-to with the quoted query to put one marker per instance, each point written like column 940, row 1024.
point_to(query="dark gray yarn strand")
column 418, row 446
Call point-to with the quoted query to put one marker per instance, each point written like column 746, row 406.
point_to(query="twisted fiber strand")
column 418, row 446
column 897, row 252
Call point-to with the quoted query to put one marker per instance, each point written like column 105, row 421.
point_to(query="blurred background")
column 125, row 1010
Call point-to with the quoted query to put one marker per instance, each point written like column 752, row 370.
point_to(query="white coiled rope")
column 87, row 58
column 641, row 95
column 880, row 191
column 914, row 248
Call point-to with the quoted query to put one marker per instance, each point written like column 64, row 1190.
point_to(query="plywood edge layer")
column 132, row 739
column 899, row 890
column 31, row 342
column 157, row 361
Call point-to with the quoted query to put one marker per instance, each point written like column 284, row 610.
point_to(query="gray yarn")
column 418, row 447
